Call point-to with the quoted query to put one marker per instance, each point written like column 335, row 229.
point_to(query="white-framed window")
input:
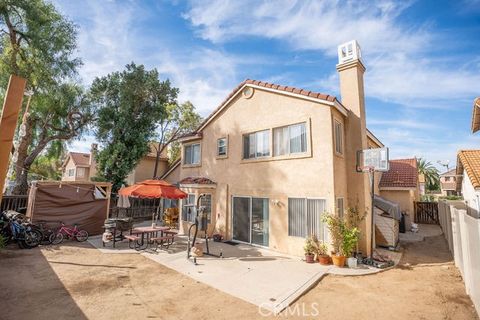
column 188, row 208
column 71, row 172
column 192, row 154
column 206, row 201
column 338, row 128
column 80, row 172
column 222, row 147
column 305, row 217
column 340, row 207
column 290, row 139
column 256, row 145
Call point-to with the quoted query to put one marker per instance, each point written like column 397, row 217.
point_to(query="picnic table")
column 143, row 236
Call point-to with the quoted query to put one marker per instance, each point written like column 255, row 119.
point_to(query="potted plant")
column 336, row 227
column 322, row 254
column 350, row 239
column 309, row 249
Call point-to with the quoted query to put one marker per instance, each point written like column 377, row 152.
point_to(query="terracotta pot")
column 324, row 259
column 309, row 258
column 339, row 261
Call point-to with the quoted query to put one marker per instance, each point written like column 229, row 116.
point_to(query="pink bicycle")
column 69, row 232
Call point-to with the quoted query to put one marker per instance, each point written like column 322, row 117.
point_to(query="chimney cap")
column 349, row 51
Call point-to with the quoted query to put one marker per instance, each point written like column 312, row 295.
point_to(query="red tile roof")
column 196, row 180
column 451, row 172
column 403, row 173
column 80, row 159
column 469, row 160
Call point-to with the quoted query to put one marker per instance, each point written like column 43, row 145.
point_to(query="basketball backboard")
column 376, row 159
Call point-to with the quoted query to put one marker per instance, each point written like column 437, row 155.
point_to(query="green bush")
column 450, row 198
column 3, row 241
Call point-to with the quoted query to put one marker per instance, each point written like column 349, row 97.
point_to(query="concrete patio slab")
column 262, row 277
column 424, row 230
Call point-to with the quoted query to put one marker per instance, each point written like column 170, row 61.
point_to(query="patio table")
column 146, row 232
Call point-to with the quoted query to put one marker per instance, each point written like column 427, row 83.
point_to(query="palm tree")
column 432, row 177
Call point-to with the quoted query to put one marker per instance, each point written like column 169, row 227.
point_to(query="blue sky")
column 422, row 57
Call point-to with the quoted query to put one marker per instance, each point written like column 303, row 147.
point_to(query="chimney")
column 351, row 69
column 93, row 153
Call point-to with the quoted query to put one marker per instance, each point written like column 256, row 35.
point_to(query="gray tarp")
column 389, row 207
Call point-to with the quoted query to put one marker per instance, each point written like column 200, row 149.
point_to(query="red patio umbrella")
column 153, row 189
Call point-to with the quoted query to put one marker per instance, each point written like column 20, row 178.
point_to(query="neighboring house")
column 82, row 166
column 468, row 182
column 401, row 185
column 476, row 115
column 272, row 159
column 448, row 183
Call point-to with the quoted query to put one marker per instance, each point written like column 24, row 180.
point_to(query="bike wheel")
column 81, row 235
column 32, row 238
column 56, row 238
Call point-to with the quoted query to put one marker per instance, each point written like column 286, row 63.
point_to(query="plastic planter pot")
column 339, row 261
column 309, row 258
column 352, row 262
column 324, row 260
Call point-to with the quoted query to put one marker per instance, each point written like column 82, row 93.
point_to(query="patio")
column 262, row 277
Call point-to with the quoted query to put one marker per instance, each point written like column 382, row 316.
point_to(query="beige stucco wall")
column 308, row 175
column 144, row 170
column 405, row 198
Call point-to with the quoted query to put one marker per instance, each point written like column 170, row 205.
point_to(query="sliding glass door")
column 250, row 220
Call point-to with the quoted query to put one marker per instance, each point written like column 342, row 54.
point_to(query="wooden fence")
column 13, row 202
column 426, row 212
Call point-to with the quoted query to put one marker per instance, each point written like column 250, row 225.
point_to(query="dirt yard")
column 76, row 281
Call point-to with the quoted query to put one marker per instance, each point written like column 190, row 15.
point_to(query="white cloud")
column 403, row 62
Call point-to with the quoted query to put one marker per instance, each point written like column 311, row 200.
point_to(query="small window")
column 305, row 217
column 290, row 139
column 188, row 208
column 192, row 154
column 340, row 208
column 222, row 147
column 256, row 145
column 338, row 137
column 71, row 172
column 80, row 172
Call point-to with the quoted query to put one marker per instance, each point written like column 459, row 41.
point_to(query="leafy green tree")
column 431, row 174
column 38, row 43
column 177, row 121
column 130, row 104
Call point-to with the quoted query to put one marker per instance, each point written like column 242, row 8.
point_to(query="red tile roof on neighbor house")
column 80, row 159
column 469, row 160
column 403, row 173
column 196, row 180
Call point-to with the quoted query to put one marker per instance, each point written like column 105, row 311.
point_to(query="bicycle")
column 13, row 229
column 58, row 236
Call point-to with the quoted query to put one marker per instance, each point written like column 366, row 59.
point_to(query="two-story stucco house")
column 272, row 159
column 82, row 166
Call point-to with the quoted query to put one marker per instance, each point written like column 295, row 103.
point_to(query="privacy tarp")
column 389, row 207
column 70, row 203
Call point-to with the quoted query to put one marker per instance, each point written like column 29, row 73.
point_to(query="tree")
column 130, row 104
column 432, row 177
column 177, row 121
column 48, row 165
column 37, row 43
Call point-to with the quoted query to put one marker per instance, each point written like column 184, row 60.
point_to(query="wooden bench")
column 165, row 241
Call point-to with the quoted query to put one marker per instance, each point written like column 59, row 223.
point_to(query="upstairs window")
column 290, row 139
column 80, row 172
column 71, row 172
column 192, row 154
column 222, row 147
column 338, row 128
column 256, row 145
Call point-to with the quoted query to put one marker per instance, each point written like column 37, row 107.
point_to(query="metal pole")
column 372, row 231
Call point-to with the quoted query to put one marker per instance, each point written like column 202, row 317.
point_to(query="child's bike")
column 69, row 232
